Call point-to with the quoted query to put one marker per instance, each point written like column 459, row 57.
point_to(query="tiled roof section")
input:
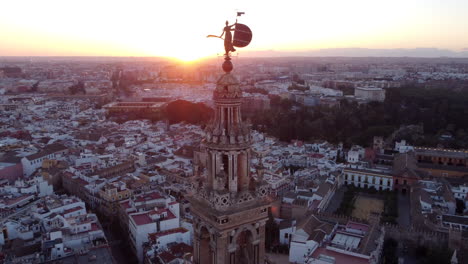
column 154, row 236
column 456, row 219
column 141, row 219
column 317, row 235
column 125, row 204
column 357, row 226
column 447, row 194
column 305, row 194
column 290, row 195
column 443, row 167
column 315, row 228
column 94, row 227
column 80, row 181
column 314, row 205
column 462, row 154
column 169, row 214
column 17, row 199
column 404, row 161
column 88, row 136
column 166, row 257
column 49, row 149
column 180, row 249
column 145, row 218
column 425, row 197
column 148, row 196
column 71, row 210
column 323, row 189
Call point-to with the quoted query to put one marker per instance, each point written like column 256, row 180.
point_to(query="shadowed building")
column 442, row 162
column 126, row 107
column 230, row 208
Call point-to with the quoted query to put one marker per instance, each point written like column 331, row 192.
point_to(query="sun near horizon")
column 178, row 29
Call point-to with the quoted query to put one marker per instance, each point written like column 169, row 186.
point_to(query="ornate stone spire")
column 230, row 209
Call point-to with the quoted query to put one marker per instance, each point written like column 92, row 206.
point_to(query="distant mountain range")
column 361, row 52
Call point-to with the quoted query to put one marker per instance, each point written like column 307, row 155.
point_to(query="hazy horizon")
column 332, row 52
column 178, row 29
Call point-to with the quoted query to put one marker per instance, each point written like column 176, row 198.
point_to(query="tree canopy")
column 437, row 111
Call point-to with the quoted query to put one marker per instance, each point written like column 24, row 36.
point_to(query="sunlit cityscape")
column 248, row 132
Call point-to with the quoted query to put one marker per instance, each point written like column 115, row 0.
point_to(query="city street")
column 120, row 250
column 404, row 210
column 336, row 200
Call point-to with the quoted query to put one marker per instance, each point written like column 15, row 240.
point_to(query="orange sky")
column 178, row 28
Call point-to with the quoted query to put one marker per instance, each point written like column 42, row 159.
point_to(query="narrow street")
column 335, row 202
column 404, row 210
column 120, row 249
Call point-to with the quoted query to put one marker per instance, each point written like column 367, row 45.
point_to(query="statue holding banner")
column 242, row 36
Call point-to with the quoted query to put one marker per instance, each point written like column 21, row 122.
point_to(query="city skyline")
column 152, row 28
column 132, row 132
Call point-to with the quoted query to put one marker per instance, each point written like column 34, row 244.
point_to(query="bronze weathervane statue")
column 242, row 36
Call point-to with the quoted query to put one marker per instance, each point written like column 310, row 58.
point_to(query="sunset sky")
column 178, row 29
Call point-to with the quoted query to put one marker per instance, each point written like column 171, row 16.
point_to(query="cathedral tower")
column 230, row 207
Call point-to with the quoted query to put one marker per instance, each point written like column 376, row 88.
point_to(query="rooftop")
column 141, row 219
column 339, row 258
column 154, row 236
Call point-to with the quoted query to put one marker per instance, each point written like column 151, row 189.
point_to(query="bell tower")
column 230, row 207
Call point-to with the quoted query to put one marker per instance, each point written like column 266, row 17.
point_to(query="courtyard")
column 360, row 202
column 363, row 206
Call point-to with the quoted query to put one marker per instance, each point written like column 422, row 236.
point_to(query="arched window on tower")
column 226, row 170
column 235, row 116
column 225, row 119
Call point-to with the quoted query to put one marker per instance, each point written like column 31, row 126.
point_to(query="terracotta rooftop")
column 94, row 227
column 17, row 199
column 358, row 226
column 154, row 236
column 323, row 189
column 180, row 249
column 166, row 257
column 148, row 196
column 141, row 219
column 49, row 149
column 71, row 210
column 125, row 204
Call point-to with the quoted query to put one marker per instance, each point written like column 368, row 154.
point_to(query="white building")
column 461, row 192
column 60, row 224
column 355, row 154
column 159, row 241
column 365, row 178
column 455, row 221
column 370, row 93
column 59, row 205
column 143, row 224
column 33, row 162
column 287, row 229
column 307, row 238
column 402, row 147
column 426, row 202
column 37, row 186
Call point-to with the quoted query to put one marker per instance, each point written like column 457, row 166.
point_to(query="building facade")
column 438, row 162
column 367, row 179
